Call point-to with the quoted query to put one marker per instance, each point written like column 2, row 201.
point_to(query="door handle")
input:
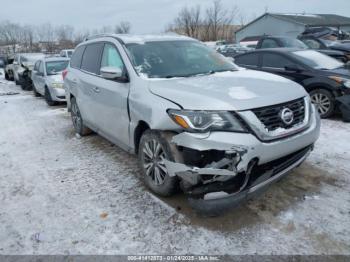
column 96, row 89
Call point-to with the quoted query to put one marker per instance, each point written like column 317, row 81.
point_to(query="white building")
column 290, row 24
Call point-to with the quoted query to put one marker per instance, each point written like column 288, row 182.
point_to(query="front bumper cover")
column 239, row 161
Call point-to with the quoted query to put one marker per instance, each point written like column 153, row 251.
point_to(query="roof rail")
column 98, row 36
column 104, row 35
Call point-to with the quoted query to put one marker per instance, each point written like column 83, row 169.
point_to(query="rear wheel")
column 324, row 102
column 153, row 150
column 48, row 97
column 77, row 120
column 7, row 76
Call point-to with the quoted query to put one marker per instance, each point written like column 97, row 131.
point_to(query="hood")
column 330, row 52
column 55, row 78
column 341, row 71
column 239, row 90
column 341, row 47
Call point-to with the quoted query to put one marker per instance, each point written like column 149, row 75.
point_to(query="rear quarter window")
column 75, row 61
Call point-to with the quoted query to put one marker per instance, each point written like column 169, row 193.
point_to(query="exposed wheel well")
column 139, row 130
column 312, row 88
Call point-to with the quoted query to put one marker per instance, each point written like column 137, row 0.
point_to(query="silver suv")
column 194, row 118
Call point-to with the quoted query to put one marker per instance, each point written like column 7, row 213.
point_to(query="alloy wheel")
column 153, row 161
column 322, row 103
column 76, row 118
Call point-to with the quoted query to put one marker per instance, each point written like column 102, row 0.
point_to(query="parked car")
column 22, row 65
column 47, row 79
column 323, row 77
column 191, row 115
column 289, row 42
column 66, row 53
column 232, row 50
column 9, row 68
column 322, row 44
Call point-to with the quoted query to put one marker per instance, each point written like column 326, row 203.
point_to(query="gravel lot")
column 61, row 194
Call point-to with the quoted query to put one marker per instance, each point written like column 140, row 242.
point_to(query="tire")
column 324, row 102
column 7, row 77
column 48, row 98
column 152, row 151
column 77, row 120
column 36, row 94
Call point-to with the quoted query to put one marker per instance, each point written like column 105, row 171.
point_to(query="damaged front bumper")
column 242, row 164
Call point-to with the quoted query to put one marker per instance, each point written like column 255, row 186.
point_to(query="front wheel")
column 153, row 150
column 48, row 97
column 324, row 102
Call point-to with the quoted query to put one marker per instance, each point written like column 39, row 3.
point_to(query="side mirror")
column 293, row 68
column 111, row 72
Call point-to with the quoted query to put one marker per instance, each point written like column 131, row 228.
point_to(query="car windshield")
column 55, row 67
column 167, row 59
column 291, row 42
column 317, row 60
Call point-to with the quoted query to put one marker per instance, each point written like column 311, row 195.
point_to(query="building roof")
column 307, row 19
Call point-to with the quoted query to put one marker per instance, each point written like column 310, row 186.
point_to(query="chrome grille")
column 270, row 115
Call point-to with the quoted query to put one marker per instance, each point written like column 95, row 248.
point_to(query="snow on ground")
column 61, row 194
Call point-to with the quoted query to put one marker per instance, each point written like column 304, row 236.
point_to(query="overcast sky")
column 145, row 16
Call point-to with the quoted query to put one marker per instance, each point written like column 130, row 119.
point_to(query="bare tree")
column 123, row 27
column 10, row 34
column 65, row 36
column 47, row 37
column 188, row 22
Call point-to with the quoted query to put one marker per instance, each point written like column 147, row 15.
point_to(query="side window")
column 36, row 67
column 41, row 68
column 247, row 60
column 275, row 61
column 75, row 61
column 313, row 44
column 269, row 43
column 92, row 58
column 111, row 57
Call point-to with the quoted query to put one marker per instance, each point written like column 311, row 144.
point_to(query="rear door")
column 110, row 99
column 87, row 83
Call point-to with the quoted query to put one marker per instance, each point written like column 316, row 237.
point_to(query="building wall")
column 270, row 26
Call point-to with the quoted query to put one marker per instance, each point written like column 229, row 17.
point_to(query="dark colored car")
column 324, row 78
column 322, row 45
column 288, row 42
column 232, row 50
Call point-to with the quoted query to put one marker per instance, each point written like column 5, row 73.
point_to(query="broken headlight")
column 205, row 121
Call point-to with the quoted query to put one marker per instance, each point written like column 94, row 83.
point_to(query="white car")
column 22, row 63
column 66, row 53
column 47, row 79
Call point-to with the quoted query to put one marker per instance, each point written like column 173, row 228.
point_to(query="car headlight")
column 57, row 85
column 341, row 80
column 205, row 121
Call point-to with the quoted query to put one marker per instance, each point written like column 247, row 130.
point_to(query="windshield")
column 54, row 67
column 166, row 59
column 317, row 60
column 291, row 42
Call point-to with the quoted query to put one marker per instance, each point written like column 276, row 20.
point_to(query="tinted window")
column 41, row 68
column 269, row 43
column 275, row 61
column 111, row 57
column 248, row 59
column 92, row 58
column 77, row 56
column 36, row 67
